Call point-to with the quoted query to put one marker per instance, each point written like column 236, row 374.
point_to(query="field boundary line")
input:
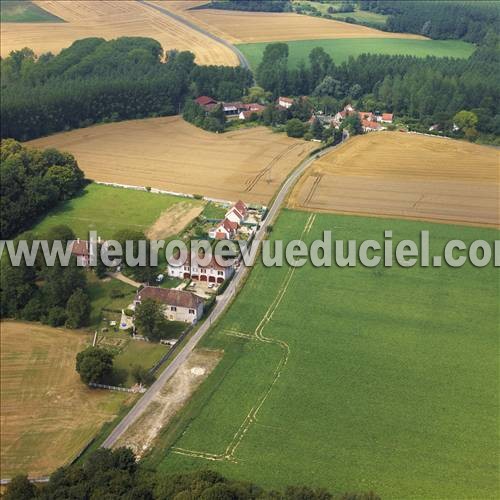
column 251, row 417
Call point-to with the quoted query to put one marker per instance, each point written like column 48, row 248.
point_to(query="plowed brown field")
column 246, row 27
column 168, row 153
column 406, row 175
column 110, row 19
column 48, row 415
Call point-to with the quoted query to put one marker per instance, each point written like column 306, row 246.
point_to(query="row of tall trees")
column 427, row 90
column 53, row 294
column 101, row 81
column 33, row 182
column 252, row 5
column 115, row 474
column 471, row 21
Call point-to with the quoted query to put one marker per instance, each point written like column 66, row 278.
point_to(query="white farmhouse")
column 211, row 272
column 177, row 304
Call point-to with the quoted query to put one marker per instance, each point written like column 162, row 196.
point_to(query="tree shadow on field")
column 118, row 377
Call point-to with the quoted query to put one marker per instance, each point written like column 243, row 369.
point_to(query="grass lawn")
column 388, row 378
column 107, row 294
column 107, row 209
column 341, row 49
column 359, row 15
column 214, row 211
column 138, row 352
column 24, row 11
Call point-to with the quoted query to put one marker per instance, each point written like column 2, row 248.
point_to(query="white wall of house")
column 200, row 273
column 183, row 314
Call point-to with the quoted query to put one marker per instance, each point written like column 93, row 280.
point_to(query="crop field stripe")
column 251, row 417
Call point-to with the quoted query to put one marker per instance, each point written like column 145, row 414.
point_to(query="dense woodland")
column 471, row 21
column 33, row 182
column 251, row 5
column 101, row 81
column 420, row 91
column 116, row 474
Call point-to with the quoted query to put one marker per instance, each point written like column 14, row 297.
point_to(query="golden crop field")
column 169, row 153
column 47, row 414
column 406, row 175
column 110, row 19
column 247, row 27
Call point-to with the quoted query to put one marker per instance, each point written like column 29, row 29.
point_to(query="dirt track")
column 169, row 400
column 110, row 19
column 168, row 153
column 245, row 27
column 406, row 175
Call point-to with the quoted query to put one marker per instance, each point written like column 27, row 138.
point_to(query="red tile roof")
column 204, row 100
column 169, row 297
column 387, row 117
column 241, row 207
column 370, row 124
column 80, row 247
column 229, row 225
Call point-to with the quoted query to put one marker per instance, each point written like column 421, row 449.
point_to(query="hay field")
column 245, row 27
column 171, row 154
column 110, row 19
column 406, row 175
column 47, row 414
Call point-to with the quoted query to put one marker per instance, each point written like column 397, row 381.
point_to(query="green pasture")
column 24, row 11
column 107, row 209
column 341, row 49
column 388, row 377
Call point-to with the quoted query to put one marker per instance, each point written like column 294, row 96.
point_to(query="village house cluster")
column 369, row 121
column 231, row 109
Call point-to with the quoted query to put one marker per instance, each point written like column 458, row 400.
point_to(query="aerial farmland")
column 173, row 155
column 336, row 337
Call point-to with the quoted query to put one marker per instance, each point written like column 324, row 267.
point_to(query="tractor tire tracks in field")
column 251, row 183
column 252, row 416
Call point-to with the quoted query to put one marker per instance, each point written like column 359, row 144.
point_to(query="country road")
column 243, row 60
column 220, row 307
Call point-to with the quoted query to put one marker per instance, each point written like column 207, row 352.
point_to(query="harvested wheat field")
column 110, row 19
column 406, row 175
column 245, row 27
column 47, row 414
column 171, row 154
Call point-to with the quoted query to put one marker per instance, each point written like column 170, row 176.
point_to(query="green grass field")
column 341, row 49
column 108, row 294
column 24, row 11
column 361, row 16
column 107, row 210
column 390, row 382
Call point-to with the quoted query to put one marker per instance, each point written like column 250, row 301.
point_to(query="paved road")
column 243, row 60
column 221, row 305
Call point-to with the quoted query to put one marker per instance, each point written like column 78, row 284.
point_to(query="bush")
column 295, row 128
column 141, row 375
column 116, row 293
column 55, row 317
column 94, row 365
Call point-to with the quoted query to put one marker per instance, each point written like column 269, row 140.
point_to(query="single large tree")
column 78, row 309
column 150, row 321
column 94, row 364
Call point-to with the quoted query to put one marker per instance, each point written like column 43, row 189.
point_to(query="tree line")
column 54, row 295
column 462, row 20
column 419, row 91
column 95, row 81
column 251, row 5
column 115, row 474
column 33, row 182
